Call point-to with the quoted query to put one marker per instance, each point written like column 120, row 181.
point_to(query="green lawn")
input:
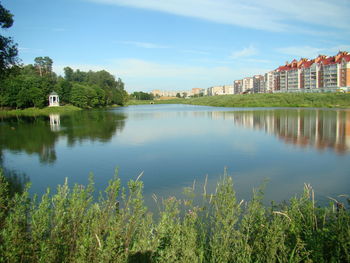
column 319, row 100
column 37, row 111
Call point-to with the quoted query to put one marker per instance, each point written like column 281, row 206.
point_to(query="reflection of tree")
column 16, row 181
column 92, row 125
column 29, row 134
column 34, row 135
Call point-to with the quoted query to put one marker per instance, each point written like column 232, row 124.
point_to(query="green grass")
column 318, row 100
column 70, row 226
column 36, row 111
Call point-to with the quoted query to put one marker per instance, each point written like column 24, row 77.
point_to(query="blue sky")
column 178, row 44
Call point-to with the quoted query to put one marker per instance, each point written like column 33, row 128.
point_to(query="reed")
column 70, row 225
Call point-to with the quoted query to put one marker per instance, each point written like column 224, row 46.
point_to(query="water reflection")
column 321, row 129
column 39, row 135
column 55, row 122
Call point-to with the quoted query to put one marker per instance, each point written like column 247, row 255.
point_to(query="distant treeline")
column 140, row 95
column 30, row 86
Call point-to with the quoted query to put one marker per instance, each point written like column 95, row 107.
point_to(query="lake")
column 177, row 145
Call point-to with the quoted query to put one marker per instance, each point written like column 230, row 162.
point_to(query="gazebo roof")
column 53, row 93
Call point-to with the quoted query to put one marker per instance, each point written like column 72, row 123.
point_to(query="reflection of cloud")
column 139, row 134
column 248, row 147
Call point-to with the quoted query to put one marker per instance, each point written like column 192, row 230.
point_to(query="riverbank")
column 306, row 100
column 68, row 226
column 37, row 112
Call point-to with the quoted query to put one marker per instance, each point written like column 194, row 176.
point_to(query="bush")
column 70, row 226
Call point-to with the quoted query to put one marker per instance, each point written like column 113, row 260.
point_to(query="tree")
column 8, row 49
column 43, row 65
column 63, row 88
column 68, row 73
column 139, row 95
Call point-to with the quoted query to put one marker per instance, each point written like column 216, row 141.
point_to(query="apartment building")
column 248, row 84
column 228, row 90
column 326, row 73
column 310, row 76
column 238, row 86
column 258, row 84
column 216, row 90
column 269, row 82
column 320, row 74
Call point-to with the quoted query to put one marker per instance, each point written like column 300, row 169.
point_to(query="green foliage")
column 139, row 95
column 71, row 226
column 30, row 86
column 93, row 89
column 43, row 65
column 8, row 49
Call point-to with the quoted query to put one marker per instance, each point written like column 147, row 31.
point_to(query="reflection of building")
column 55, row 122
column 318, row 128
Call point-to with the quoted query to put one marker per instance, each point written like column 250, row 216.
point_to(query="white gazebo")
column 54, row 100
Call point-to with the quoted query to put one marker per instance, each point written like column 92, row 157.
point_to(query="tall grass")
column 71, row 226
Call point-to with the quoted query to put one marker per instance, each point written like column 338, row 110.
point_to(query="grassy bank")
column 36, row 111
column 69, row 226
column 318, row 100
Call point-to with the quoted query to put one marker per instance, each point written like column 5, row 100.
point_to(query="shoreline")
column 37, row 112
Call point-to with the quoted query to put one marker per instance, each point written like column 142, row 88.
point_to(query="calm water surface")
column 176, row 144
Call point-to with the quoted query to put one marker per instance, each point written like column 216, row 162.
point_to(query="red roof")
column 283, row 68
column 328, row 61
column 347, row 58
column 304, row 63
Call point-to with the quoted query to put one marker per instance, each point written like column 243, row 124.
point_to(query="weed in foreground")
column 70, row 226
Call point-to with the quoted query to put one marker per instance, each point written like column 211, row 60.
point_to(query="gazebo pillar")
column 54, row 100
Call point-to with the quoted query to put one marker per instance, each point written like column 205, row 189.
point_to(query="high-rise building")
column 258, row 84
column 238, row 86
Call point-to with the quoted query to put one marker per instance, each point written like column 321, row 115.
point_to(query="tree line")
column 23, row 86
column 30, row 86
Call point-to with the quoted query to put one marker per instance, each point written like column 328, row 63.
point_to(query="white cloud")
column 245, row 52
column 143, row 44
column 196, row 52
column 30, row 50
column 271, row 15
column 148, row 75
column 301, row 51
column 312, row 52
column 254, row 60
